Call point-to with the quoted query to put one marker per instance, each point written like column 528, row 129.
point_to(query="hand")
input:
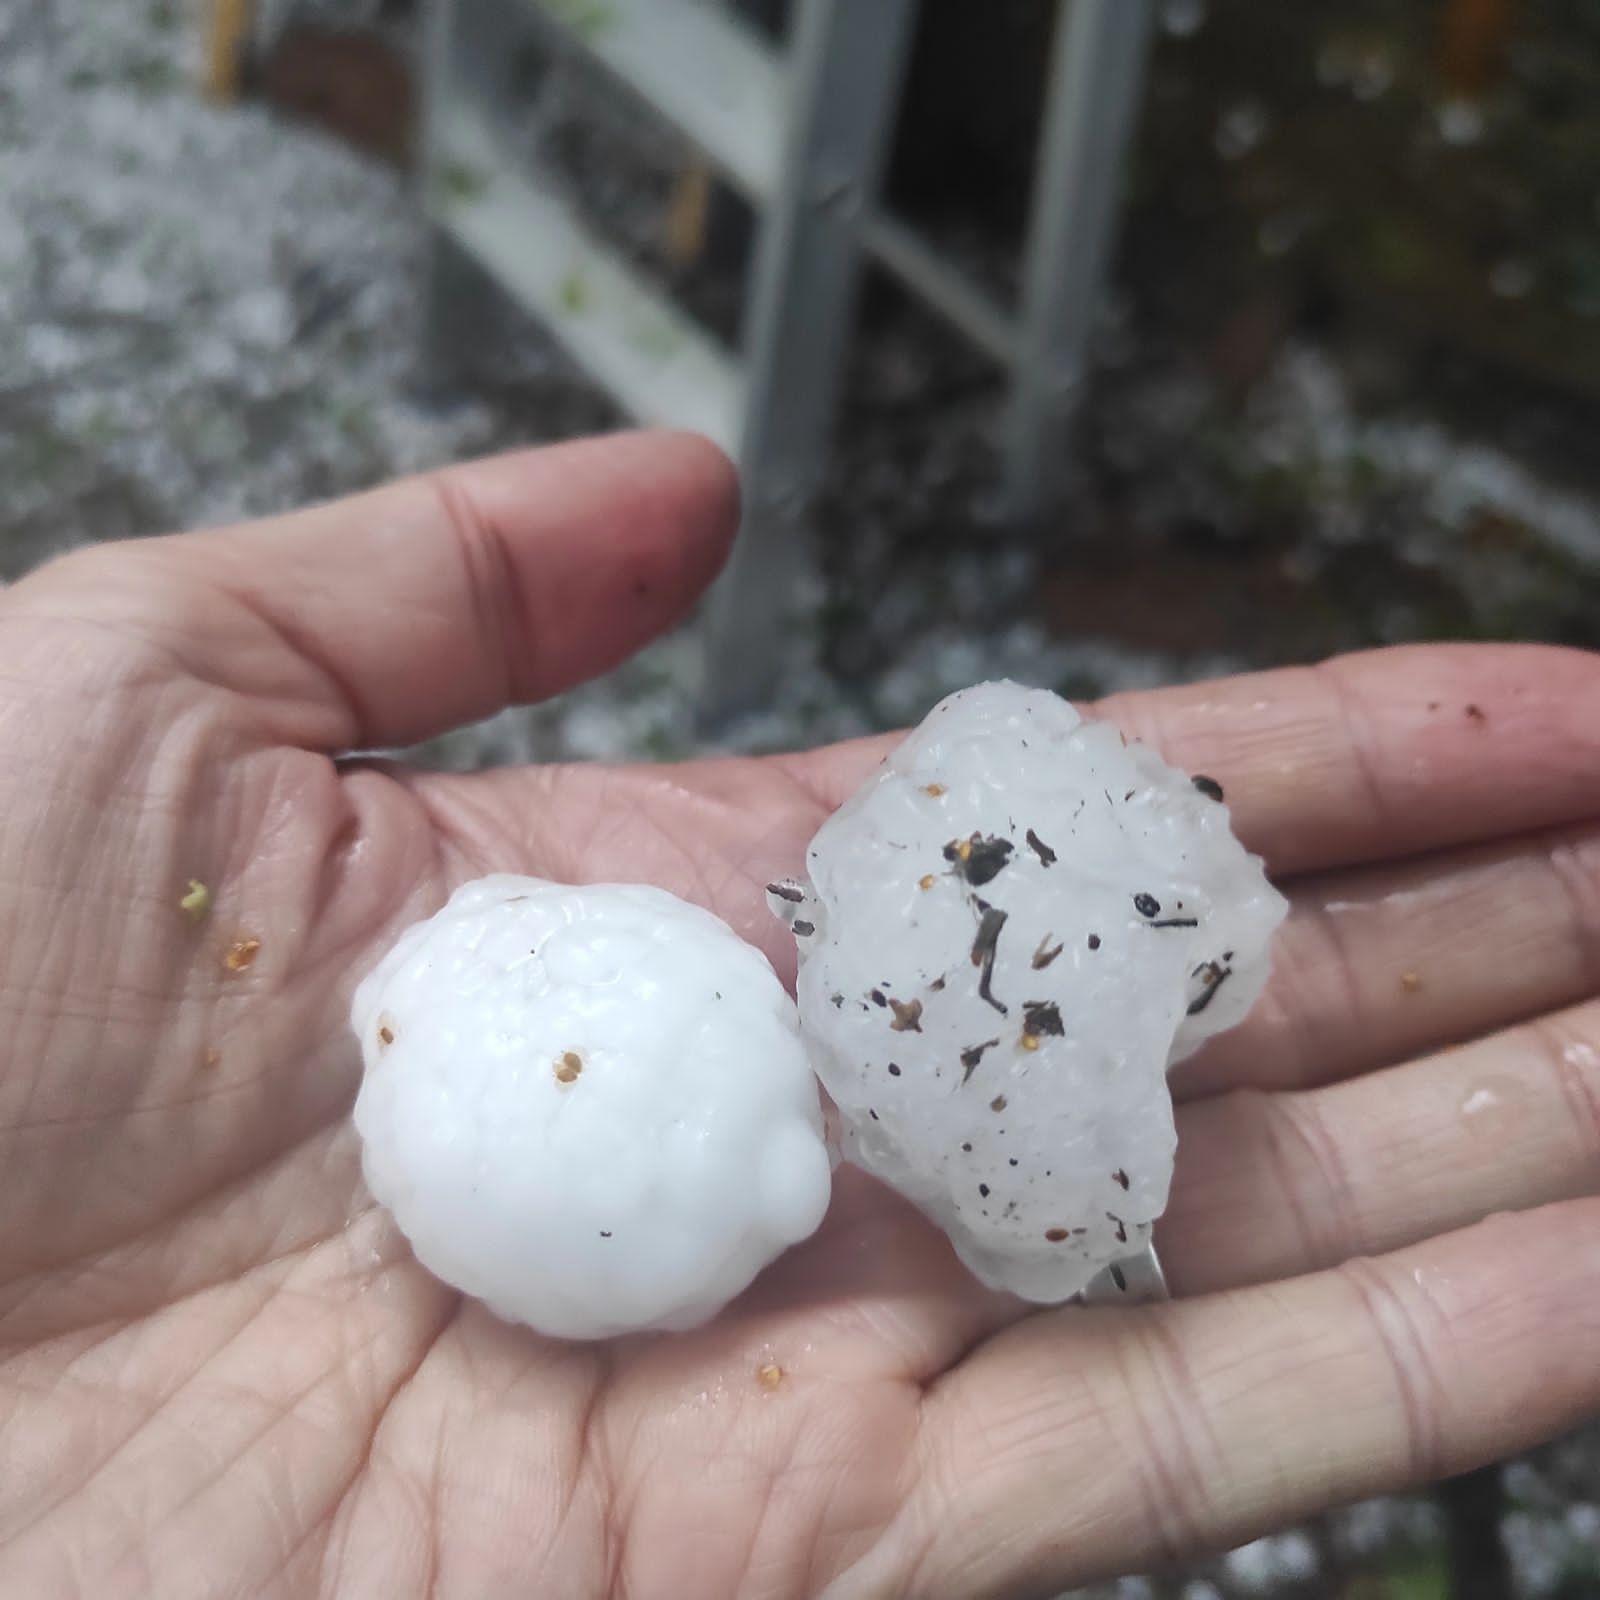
column 220, row 1371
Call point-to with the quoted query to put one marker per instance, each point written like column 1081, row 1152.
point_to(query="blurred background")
column 1340, row 381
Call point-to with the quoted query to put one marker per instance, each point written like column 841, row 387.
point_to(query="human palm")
column 220, row 1370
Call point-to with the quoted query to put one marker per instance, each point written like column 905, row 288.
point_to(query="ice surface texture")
column 1011, row 932
column 587, row 1107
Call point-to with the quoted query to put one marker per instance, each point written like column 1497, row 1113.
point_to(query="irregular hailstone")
column 587, row 1107
column 1010, row 933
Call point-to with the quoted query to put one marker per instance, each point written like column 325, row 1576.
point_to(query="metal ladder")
column 802, row 134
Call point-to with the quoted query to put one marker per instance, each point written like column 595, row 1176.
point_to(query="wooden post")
column 1474, row 37
column 688, row 217
column 230, row 24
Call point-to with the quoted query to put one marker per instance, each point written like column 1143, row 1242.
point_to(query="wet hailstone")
column 1008, row 936
column 1280, row 233
column 1512, row 278
column 1373, row 75
column 1267, row 1564
column 1243, row 126
column 1461, row 122
column 1183, row 18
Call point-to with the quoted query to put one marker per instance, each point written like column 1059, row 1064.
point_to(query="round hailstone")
column 587, row 1107
column 1011, row 932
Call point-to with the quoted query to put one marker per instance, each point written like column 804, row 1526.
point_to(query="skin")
column 220, row 1371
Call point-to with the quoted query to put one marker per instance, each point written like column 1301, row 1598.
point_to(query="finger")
column 1077, row 1445
column 1377, row 964
column 1377, row 755
column 1367, row 757
column 400, row 613
column 1274, row 1185
column 718, row 833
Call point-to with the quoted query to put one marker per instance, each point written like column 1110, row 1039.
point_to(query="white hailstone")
column 1010, row 933
column 587, row 1107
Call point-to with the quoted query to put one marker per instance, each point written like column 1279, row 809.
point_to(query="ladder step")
column 712, row 77
column 657, row 363
column 905, row 254
column 709, row 75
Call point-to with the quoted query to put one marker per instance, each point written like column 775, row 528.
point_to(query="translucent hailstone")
column 1009, row 935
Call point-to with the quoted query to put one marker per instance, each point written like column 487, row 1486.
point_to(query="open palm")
column 222, row 1374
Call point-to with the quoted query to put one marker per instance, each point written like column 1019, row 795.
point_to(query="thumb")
column 406, row 611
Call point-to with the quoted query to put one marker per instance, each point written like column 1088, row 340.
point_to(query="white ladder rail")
column 655, row 358
column 697, row 67
column 724, row 89
column 847, row 61
column 1096, row 80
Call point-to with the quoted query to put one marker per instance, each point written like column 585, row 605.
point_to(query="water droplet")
column 1581, row 1055
column 1431, row 1281
column 1493, row 1109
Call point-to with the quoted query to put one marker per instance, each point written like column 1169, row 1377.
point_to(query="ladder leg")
column 440, row 348
column 1097, row 74
column 464, row 308
column 847, row 63
column 464, row 314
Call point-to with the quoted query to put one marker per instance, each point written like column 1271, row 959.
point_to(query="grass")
column 1411, row 1575
column 458, row 182
column 589, row 19
column 574, row 293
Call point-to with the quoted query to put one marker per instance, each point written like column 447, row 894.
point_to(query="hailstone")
column 587, row 1107
column 1009, row 934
